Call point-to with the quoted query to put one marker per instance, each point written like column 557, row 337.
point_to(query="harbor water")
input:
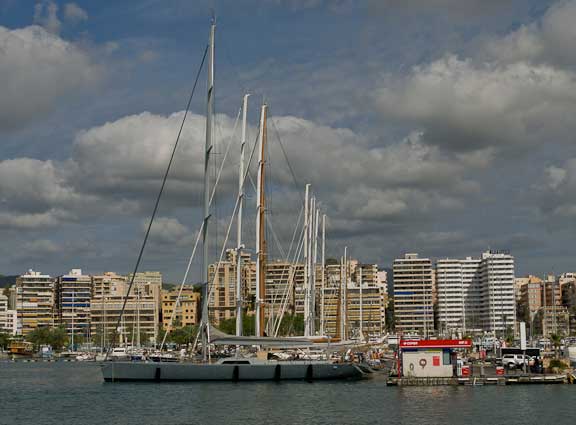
column 74, row 393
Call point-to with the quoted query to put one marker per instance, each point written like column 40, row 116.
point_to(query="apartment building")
column 8, row 319
column 413, row 306
column 458, row 294
column 34, row 301
column 186, row 313
column 141, row 318
column 498, row 303
column 222, row 279
column 73, row 293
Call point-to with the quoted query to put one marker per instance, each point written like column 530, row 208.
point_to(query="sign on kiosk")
column 437, row 343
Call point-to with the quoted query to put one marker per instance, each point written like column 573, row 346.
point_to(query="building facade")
column 73, row 293
column 141, row 319
column 8, row 318
column 186, row 313
column 413, row 298
column 34, row 301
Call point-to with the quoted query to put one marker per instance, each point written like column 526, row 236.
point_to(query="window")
column 445, row 357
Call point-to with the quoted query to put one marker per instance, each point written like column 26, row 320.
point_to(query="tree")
column 57, row 338
column 4, row 340
column 179, row 335
column 556, row 340
column 390, row 317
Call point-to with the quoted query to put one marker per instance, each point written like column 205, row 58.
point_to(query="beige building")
column 187, row 311
column 222, row 282
column 142, row 311
column 343, row 309
column 34, row 301
column 413, row 307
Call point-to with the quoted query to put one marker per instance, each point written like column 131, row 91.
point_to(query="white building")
column 498, row 304
column 476, row 294
column 8, row 319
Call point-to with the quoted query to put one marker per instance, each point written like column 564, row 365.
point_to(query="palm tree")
column 556, row 340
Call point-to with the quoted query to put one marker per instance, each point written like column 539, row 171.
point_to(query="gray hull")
column 270, row 371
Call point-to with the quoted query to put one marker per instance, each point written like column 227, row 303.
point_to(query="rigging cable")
column 156, row 204
column 185, row 278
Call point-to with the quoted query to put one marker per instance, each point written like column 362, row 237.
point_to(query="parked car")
column 512, row 361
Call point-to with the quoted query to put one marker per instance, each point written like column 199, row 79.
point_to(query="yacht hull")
column 270, row 371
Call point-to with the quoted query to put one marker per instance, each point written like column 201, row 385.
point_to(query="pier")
column 475, row 380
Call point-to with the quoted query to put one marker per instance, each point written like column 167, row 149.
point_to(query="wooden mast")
column 260, row 229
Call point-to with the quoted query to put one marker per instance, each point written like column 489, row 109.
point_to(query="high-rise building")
column 451, row 295
column 476, row 294
column 73, row 293
column 498, row 306
column 34, row 301
column 413, row 307
column 458, row 284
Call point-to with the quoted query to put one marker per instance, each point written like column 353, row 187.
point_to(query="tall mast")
column 343, row 298
column 103, row 316
column 207, row 152
column 315, row 215
column 138, row 314
column 361, row 301
column 239, row 246
column 322, row 324
column 306, row 264
column 260, row 228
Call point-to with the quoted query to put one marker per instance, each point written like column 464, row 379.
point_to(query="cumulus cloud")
column 37, row 69
column 116, row 168
column 167, row 231
column 465, row 106
column 450, row 7
column 547, row 40
column 75, row 13
column 46, row 15
column 557, row 191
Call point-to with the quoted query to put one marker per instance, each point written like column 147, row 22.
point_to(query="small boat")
column 86, row 357
column 21, row 348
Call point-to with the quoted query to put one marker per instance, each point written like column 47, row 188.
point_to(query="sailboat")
column 234, row 368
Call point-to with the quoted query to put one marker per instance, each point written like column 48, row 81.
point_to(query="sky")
column 443, row 127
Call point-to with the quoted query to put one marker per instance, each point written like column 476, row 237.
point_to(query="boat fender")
column 157, row 374
column 309, row 373
column 236, row 373
column 277, row 372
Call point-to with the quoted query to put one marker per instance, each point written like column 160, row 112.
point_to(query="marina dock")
column 476, row 380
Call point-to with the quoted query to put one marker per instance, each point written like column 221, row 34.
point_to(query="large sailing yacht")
column 234, row 368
